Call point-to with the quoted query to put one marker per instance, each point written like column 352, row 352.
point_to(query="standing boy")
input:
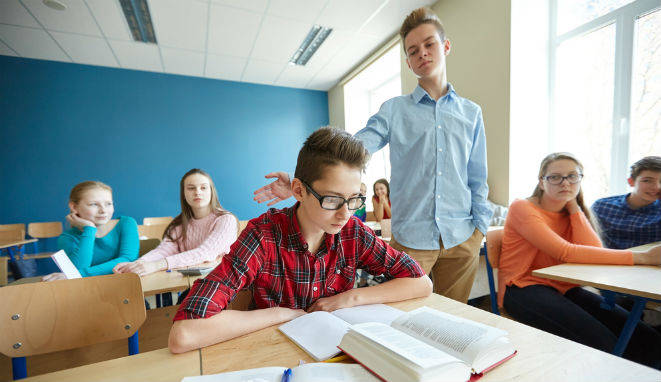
column 302, row 258
column 440, row 211
column 633, row 219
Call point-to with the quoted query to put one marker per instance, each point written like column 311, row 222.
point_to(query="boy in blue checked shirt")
column 438, row 152
column 633, row 219
column 303, row 258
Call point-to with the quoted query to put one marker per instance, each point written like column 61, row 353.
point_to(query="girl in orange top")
column 552, row 227
column 381, row 200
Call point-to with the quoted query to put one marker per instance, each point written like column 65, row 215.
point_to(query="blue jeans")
column 578, row 316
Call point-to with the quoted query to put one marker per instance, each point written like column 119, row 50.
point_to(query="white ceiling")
column 237, row 40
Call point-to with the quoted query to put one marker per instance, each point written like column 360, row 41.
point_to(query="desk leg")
column 158, row 300
column 609, row 299
column 134, row 345
column 19, row 368
column 629, row 326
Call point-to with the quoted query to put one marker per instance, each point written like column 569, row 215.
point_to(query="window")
column 605, row 87
column 363, row 96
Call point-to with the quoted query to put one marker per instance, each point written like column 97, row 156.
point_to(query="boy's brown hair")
column 326, row 147
column 418, row 17
column 650, row 163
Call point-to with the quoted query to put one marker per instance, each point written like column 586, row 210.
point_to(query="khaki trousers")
column 452, row 270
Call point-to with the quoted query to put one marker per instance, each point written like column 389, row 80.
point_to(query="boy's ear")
column 447, row 46
column 298, row 189
column 631, row 182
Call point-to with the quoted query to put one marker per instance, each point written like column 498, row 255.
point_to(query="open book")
column 319, row 333
column 66, row 266
column 321, row 372
column 427, row 345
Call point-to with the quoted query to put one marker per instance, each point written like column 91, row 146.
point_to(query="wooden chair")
column 152, row 231
column 492, row 252
column 13, row 227
column 45, row 317
column 44, row 231
column 147, row 245
column 157, row 221
column 12, row 234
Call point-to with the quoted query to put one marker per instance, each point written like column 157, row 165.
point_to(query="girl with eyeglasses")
column 553, row 227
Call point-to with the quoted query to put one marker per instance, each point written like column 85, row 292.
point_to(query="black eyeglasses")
column 557, row 179
column 336, row 202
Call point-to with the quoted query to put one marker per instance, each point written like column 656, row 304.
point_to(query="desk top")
column 163, row 281
column 541, row 356
column 637, row 280
column 157, row 365
column 7, row 244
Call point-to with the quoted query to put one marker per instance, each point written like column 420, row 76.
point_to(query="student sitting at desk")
column 633, row 219
column 95, row 243
column 552, row 227
column 203, row 230
column 381, row 200
column 301, row 258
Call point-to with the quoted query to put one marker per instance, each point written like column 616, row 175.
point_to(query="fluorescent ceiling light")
column 138, row 18
column 316, row 36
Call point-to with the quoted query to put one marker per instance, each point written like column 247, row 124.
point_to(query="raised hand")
column 276, row 191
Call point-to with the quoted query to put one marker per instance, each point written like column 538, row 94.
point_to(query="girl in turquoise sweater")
column 95, row 243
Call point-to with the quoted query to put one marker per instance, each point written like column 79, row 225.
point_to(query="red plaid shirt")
column 272, row 259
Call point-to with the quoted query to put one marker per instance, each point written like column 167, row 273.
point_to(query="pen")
column 286, row 375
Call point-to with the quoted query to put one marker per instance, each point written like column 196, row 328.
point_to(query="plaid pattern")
column 622, row 227
column 271, row 258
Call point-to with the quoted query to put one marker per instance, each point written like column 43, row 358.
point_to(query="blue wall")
column 139, row 132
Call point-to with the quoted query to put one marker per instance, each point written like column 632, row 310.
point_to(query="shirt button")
column 438, row 218
column 314, row 289
column 440, row 150
column 438, row 127
column 438, row 196
column 337, row 271
column 439, row 173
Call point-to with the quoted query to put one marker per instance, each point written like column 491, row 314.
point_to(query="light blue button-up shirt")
column 438, row 158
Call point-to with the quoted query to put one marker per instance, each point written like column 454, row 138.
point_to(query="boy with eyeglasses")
column 302, row 258
column 633, row 219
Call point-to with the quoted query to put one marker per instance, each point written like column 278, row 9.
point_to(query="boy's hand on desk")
column 278, row 190
column 650, row 257
column 332, row 303
column 287, row 314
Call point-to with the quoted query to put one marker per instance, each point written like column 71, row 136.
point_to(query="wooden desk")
column 642, row 282
column 541, row 356
column 163, row 281
column 157, row 365
column 15, row 243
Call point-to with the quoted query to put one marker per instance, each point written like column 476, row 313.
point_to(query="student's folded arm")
column 128, row 247
column 477, row 178
column 376, row 133
column 531, row 226
column 398, row 289
column 582, row 231
column 79, row 249
column 217, row 243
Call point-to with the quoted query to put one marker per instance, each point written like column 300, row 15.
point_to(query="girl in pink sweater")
column 203, row 231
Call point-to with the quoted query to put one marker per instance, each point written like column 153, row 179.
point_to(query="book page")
column 66, row 266
column 263, row 374
column 318, row 333
column 406, row 346
column 458, row 336
column 332, row 372
column 369, row 313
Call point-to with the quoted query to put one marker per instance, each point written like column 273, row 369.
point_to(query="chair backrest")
column 157, row 221
column 152, row 231
column 386, row 231
column 45, row 230
column 12, row 235
column 12, row 227
column 45, row 317
column 242, row 225
column 494, row 242
column 147, row 245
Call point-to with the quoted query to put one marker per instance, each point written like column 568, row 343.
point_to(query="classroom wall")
column 479, row 69
column 139, row 132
